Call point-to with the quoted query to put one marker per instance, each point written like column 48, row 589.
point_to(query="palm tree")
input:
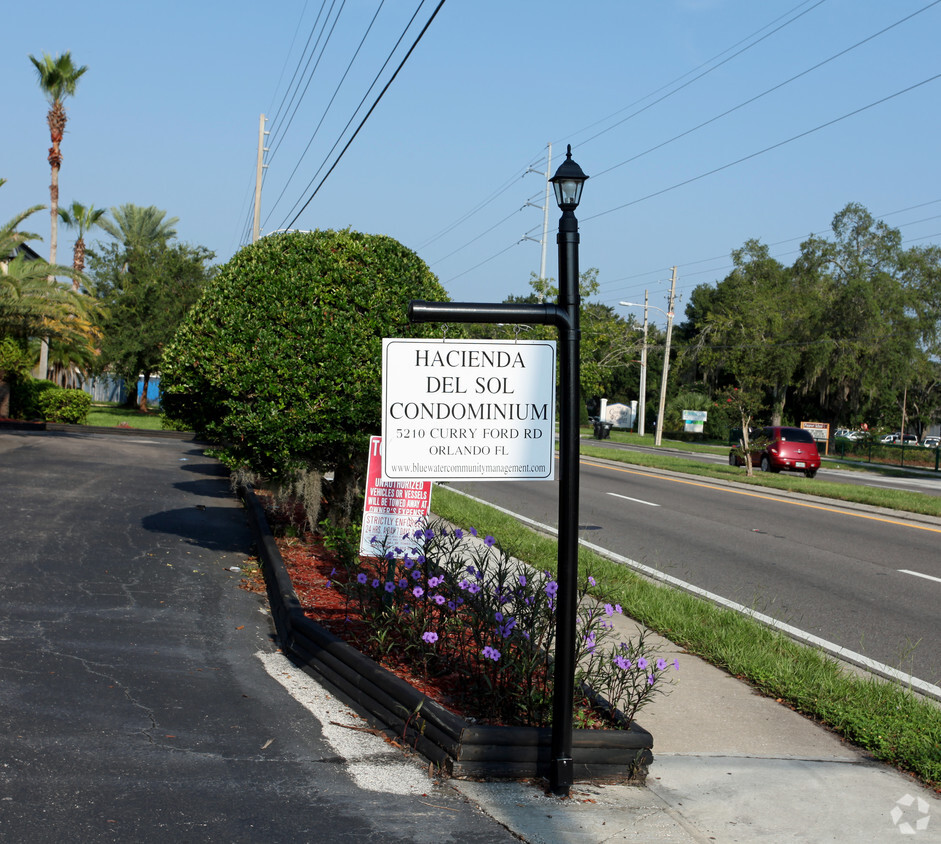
column 58, row 79
column 82, row 219
column 31, row 306
column 137, row 228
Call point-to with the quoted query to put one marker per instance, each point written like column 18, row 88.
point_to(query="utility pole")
column 262, row 149
column 666, row 361
column 545, row 218
column 641, row 425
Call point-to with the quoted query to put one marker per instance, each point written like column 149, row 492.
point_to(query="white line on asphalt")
column 638, row 500
column 369, row 759
column 794, row 632
column 919, row 574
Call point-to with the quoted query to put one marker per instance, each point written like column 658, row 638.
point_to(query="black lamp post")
column 567, row 182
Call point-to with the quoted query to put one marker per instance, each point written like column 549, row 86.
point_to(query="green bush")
column 69, row 407
column 280, row 360
column 24, row 397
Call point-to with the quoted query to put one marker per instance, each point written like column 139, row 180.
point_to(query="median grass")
column 893, row 499
column 894, row 724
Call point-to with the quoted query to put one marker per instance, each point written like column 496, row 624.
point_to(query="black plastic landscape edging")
column 463, row 749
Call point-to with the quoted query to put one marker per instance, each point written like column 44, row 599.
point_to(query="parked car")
column 896, row 438
column 931, row 442
column 790, row 449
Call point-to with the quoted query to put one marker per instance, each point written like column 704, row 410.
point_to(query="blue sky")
column 168, row 114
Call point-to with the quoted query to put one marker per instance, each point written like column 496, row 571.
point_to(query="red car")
column 792, row 449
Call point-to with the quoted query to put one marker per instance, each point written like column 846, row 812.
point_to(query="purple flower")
column 622, row 662
column 418, row 591
column 434, row 581
column 609, row 610
column 361, row 577
column 661, row 664
column 676, row 664
column 522, row 580
column 490, row 653
column 474, row 588
column 641, row 663
column 617, row 609
column 416, row 574
column 390, row 586
column 375, row 583
column 430, row 636
column 390, row 554
column 403, row 583
column 489, row 541
column 473, row 531
column 590, row 642
column 438, row 599
column 592, row 581
column 650, row 679
column 459, row 534
column 452, row 606
column 429, row 533
column 464, row 584
column 551, row 588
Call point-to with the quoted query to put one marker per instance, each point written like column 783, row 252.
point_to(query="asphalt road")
column 864, row 580
column 143, row 697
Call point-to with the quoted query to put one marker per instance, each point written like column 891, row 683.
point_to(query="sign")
column 694, row 420
column 468, row 409
column 620, row 415
column 392, row 509
column 820, row 431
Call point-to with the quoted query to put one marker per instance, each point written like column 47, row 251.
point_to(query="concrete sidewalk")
column 729, row 766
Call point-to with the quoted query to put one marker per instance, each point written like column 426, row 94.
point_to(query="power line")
column 369, row 113
column 767, row 149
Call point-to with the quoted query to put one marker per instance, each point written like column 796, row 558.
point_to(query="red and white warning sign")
column 392, row 508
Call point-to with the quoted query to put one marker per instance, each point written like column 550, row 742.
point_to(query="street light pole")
column 567, row 182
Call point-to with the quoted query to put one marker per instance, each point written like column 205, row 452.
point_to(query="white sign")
column 392, row 508
column 619, row 415
column 468, row 409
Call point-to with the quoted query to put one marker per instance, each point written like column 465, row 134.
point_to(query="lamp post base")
column 561, row 776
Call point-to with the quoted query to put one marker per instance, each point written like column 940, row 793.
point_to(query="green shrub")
column 280, row 360
column 24, row 397
column 69, row 407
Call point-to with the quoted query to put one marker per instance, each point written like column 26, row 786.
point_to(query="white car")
column 931, row 442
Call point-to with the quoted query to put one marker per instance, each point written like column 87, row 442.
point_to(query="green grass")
column 891, row 722
column 894, row 499
column 110, row 416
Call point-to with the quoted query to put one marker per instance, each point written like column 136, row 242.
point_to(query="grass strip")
column 894, row 724
column 893, row 499
column 112, row 416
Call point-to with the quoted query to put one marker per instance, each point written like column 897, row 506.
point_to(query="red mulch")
column 311, row 567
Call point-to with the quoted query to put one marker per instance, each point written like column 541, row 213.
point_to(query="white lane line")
column 637, row 500
column 794, row 632
column 919, row 574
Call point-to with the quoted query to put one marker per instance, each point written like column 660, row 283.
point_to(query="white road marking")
column 919, row 574
column 637, row 500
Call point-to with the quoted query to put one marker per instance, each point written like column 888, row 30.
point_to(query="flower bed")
column 471, row 670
